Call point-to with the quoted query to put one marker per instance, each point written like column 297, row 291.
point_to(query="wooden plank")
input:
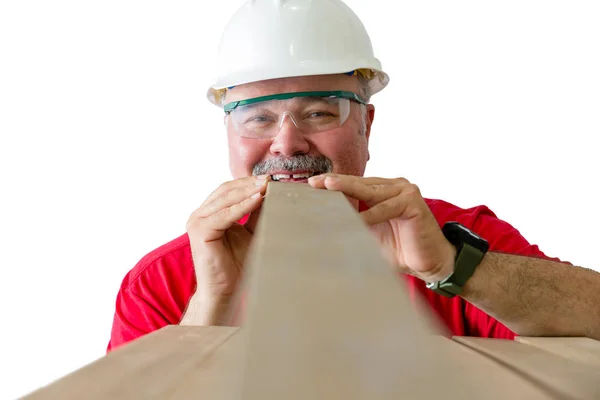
column 213, row 379
column 328, row 318
column 580, row 349
column 151, row 367
column 466, row 374
column 564, row 377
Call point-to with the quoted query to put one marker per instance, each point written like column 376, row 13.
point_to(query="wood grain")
column 563, row 377
column 580, row 349
column 218, row 376
column 328, row 317
column 469, row 374
column 152, row 367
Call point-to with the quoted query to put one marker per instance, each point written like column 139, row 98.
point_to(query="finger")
column 318, row 180
column 401, row 206
column 237, row 237
column 234, row 184
column 233, row 196
column 214, row 226
column 370, row 193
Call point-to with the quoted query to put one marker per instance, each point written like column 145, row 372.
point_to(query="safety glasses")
column 311, row 112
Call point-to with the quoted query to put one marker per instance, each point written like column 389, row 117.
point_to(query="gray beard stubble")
column 318, row 164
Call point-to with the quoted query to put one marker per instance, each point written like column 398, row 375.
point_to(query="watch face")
column 458, row 234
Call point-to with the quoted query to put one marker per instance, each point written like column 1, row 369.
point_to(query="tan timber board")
column 139, row 370
column 216, row 378
column 151, row 367
column 564, row 377
column 328, row 317
column 466, row 374
column 580, row 349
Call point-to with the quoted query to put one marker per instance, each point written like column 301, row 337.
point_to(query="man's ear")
column 370, row 118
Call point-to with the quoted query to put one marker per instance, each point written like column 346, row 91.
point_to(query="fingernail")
column 316, row 178
column 332, row 179
column 255, row 195
column 263, row 177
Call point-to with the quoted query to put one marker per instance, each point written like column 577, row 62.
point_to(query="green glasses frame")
column 283, row 96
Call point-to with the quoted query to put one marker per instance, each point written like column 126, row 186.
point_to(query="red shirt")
column 156, row 291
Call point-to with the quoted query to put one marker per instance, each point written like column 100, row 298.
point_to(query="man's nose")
column 290, row 140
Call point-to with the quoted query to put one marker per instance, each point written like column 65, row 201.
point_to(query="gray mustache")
column 319, row 164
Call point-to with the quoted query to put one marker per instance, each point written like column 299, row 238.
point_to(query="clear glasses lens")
column 308, row 114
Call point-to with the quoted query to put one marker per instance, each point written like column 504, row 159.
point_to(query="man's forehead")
column 293, row 84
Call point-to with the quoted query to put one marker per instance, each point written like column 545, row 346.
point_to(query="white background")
column 108, row 143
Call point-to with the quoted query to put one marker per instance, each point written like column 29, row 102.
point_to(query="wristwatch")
column 470, row 249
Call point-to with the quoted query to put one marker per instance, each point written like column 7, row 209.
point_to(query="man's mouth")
column 298, row 177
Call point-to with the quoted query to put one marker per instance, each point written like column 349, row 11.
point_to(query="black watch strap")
column 470, row 250
column 467, row 260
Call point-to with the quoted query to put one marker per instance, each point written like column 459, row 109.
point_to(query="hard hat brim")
column 377, row 83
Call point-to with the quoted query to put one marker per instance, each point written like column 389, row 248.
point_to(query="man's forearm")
column 537, row 297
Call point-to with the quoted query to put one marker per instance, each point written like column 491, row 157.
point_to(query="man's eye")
column 259, row 119
column 319, row 114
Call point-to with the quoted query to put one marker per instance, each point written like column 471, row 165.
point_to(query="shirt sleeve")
column 154, row 293
column 134, row 317
column 503, row 238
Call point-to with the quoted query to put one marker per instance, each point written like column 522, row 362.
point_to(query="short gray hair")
column 364, row 85
column 365, row 91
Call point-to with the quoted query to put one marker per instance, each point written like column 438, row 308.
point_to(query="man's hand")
column 510, row 288
column 219, row 245
column 399, row 217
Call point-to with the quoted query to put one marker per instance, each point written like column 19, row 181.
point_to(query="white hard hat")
column 267, row 39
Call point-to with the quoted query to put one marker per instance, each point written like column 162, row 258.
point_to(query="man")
column 296, row 78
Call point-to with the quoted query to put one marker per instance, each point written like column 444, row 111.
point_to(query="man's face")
column 343, row 149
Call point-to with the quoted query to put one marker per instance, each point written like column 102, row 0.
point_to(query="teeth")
column 305, row 175
column 301, row 176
